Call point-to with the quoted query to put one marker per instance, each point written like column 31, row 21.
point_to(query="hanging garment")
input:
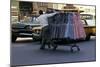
column 51, row 22
column 78, row 27
column 63, row 25
column 69, row 33
column 53, row 25
column 81, row 27
column 57, row 25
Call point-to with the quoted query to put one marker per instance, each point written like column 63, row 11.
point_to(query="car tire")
column 14, row 38
column 87, row 37
column 33, row 37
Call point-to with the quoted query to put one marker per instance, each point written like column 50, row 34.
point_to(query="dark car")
column 23, row 29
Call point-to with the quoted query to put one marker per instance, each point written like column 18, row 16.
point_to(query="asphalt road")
column 27, row 52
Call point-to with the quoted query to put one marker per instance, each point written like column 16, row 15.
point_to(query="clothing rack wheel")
column 72, row 50
column 54, row 47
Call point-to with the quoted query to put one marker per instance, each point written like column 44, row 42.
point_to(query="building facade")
column 19, row 9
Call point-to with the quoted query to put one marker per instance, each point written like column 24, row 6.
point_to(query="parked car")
column 90, row 28
column 22, row 29
column 37, row 33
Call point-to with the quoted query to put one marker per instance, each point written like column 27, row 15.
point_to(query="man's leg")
column 43, row 44
column 43, row 38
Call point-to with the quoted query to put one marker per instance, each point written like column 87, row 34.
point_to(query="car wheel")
column 14, row 38
column 87, row 37
column 33, row 37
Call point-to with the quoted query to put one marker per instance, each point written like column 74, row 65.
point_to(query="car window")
column 86, row 16
column 34, row 20
column 91, row 22
column 14, row 19
column 31, row 20
column 83, row 21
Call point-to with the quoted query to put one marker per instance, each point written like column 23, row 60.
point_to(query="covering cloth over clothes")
column 43, row 19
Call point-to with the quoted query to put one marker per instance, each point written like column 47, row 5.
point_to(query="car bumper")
column 22, row 34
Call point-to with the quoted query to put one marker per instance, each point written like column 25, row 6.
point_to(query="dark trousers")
column 45, row 36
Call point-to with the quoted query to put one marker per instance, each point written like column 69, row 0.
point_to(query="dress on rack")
column 79, row 31
column 66, row 25
column 69, row 27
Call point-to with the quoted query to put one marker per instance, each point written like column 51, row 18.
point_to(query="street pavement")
column 26, row 52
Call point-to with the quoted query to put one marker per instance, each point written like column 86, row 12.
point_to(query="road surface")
column 27, row 52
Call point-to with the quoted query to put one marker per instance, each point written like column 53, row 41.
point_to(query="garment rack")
column 52, row 42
